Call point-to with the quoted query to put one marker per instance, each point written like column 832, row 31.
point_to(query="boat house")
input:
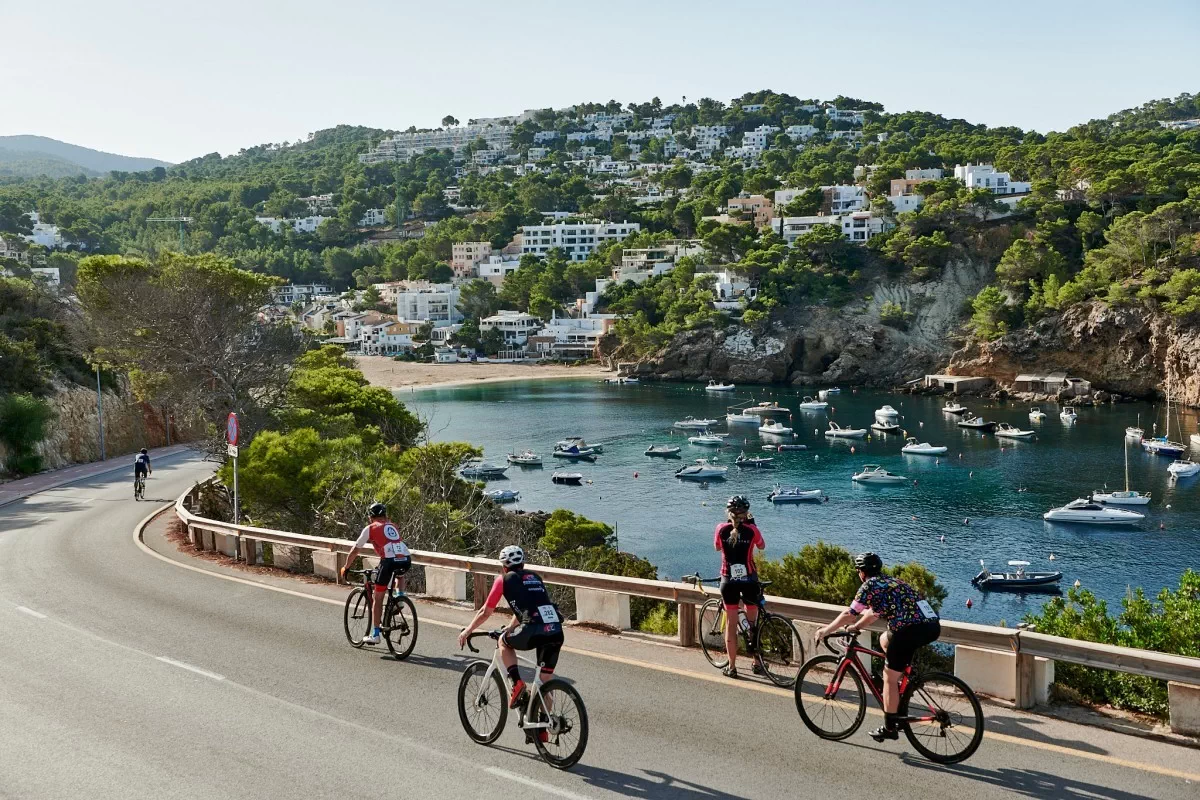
column 957, row 383
column 1052, row 383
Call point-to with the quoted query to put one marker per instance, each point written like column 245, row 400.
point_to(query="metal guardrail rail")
column 1024, row 643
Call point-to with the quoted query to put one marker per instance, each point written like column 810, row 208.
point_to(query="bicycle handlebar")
column 696, row 579
column 849, row 636
column 490, row 634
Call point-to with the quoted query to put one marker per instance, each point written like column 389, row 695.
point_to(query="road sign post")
column 231, row 436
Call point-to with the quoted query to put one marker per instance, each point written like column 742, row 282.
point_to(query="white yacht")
column 794, row 494
column 915, row 448
column 701, row 471
column 1036, row 414
column 1068, row 415
column 1006, row 431
column 885, row 426
column 775, row 428
column 953, row 408
column 838, row 432
column 708, row 439
column 1135, row 433
column 693, row 424
column 886, row 412
column 766, row 409
column 713, row 386
column 502, row 495
column 808, row 404
column 1086, row 511
column 526, row 458
column 873, row 473
column 1183, row 468
column 478, row 468
column 741, row 418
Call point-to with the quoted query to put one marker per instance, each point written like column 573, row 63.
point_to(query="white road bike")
column 553, row 706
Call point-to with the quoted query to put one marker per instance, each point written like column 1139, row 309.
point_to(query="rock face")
column 1129, row 350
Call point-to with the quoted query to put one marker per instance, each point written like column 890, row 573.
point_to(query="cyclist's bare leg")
column 378, row 599
column 508, row 656
column 731, row 633
column 891, row 680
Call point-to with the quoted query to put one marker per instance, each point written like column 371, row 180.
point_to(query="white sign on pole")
column 233, row 450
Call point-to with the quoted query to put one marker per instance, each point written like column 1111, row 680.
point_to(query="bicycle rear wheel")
column 712, row 633
column 950, row 724
column 568, row 732
column 400, row 626
column 831, row 712
column 482, row 707
column 357, row 617
column 778, row 650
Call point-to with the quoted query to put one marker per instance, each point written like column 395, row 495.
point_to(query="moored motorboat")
column 621, row 381
column 713, row 386
column 767, row 408
column 838, row 432
column 975, row 423
column 1090, row 513
column 741, row 418
column 567, row 478
column 694, row 424
column 1036, row 414
column 701, row 471
column 773, row 428
column 794, row 494
column 482, row 470
column 663, row 450
column 577, row 441
column 880, row 426
column 875, row 474
column 1017, row 580
column 1183, row 468
column 780, row 448
column 526, row 458
column 575, row 453
column 502, row 495
column 1006, row 431
column 744, row 461
column 808, row 404
column 886, row 412
column 1068, row 415
column 915, row 448
column 708, row 439
column 954, row 408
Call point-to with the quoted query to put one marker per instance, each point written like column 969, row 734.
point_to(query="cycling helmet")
column 737, row 503
column 869, row 563
column 512, row 556
column 144, row 451
column 377, row 510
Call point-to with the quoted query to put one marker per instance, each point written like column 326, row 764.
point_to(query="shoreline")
column 396, row 375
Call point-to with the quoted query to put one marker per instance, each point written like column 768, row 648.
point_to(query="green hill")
column 30, row 156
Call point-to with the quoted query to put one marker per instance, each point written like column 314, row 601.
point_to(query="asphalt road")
column 125, row 676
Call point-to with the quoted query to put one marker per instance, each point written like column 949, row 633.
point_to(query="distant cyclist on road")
column 141, row 466
column 394, row 560
column 535, row 625
column 912, row 624
column 736, row 539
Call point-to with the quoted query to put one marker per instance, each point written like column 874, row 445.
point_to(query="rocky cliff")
column 1127, row 349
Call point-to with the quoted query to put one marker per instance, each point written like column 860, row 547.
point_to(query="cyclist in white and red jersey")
column 736, row 539
column 394, row 560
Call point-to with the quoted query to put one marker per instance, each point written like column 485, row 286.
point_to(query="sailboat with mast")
column 1128, row 497
column 1162, row 445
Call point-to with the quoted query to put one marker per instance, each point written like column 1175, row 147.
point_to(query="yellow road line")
column 700, row 676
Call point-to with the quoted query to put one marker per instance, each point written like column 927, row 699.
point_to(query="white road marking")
column 190, row 668
column 41, row 519
column 30, row 612
column 542, row 787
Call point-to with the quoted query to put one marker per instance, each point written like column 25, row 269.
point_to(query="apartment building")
column 792, row 228
column 846, row 115
column 299, row 293
column 985, row 176
column 576, row 239
column 401, row 146
column 387, row 338
column 760, row 136
column 708, row 137
column 913, row 178
column 497, row 268
column 319, row 203
column 436, row 303
column 800, row 132
column 841, row 199
column 752, row 206
column 570, row 338
column 517, row 326
column 751, row 108
column 307, row 224
column 541, row 137
column 860, row 226
column 373, row 218
column 464, row 256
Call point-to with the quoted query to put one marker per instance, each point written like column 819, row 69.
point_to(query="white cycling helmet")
column 512, row 556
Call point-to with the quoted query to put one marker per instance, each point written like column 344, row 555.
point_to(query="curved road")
column 123, row 675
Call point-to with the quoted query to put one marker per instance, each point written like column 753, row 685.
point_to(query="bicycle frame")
column 761, row 605
column 535, row 687
column 849, row 660
column 369, row 592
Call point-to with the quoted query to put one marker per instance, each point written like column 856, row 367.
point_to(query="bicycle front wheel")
column 400, row 627
column 945, row 719
column 831, row 707
column 482, row 706
column 779, row 651
column 567, row 735
column 712, row 633
column 357, row 617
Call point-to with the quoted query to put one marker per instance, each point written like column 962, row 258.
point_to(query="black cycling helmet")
column 144, row 451
column 737, row 503
column 377, row 510
column 869, row 563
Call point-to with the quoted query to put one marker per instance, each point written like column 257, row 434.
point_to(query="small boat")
column 838, row 432
column 1006, row 431
column 977, row 423
column 915, row 448
column 526, row 458
column 482, row 469
column 773, row 428
column 1127, row 497
column 1017, row 580
column 741, row 418
column 1135, row 433
column 1162, row 446
column 824, row 393
column 794, row 494
column 502, row 495
column 873, row 473
column 808, row 404
column 621, row 381
column 1036, row 414
column 953, row 408
column 1085, row 511
column 713, row 386
column 886, row 412
column 885, row 427
column 1183, row 468
column 779, row 448
column 701, row 471
column 567, row 478
column 1068, row 415
column 577, row 441
column 574, row 452
column 754, row 462
column 665, row 450
column 767, row 409
column 693, row 424
column 708, row 439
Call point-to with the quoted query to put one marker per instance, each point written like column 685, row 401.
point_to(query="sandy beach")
column 383, row 371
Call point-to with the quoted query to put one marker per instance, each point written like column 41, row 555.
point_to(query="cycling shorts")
column 140, row 469
column 747, row 591
column 389, row 568
column 905, row 642
column 547, row 639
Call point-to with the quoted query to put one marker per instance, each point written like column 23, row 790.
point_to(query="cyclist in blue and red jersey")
column 394, row 561
column 736, row 539
column 912, row 624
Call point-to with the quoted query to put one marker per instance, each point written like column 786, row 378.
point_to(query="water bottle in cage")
column 743, row 623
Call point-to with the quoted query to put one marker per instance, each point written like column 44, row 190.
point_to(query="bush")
column 23, row 421
column 663, row 619
column 825, row 573
column 894, row 315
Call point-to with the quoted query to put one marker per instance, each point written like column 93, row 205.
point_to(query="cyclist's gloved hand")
column 462, row 638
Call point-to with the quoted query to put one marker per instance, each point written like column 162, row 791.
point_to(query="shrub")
column 825, row 573
column 662, row 619
column 23, row 421
column 894, row 315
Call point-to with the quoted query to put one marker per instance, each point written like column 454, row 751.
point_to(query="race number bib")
column 737, row 571
column 395, row 550
column 926, row 610
column 549, row 614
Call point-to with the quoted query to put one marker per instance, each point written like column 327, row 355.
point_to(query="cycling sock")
column 889, row 720
column 514, row 674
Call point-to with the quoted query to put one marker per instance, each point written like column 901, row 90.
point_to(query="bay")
column 985, row 497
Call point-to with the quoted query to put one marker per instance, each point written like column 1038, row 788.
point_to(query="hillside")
column 29, row 156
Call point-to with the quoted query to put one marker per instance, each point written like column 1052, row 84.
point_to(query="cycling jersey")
column 527, row 597
column 737, row 550
column 894, row 600
column 141, row 463
column 385, row 538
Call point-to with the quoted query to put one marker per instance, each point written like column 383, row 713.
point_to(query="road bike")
column 939, row 713
column 553, row 706
column 772, row 641
column 398, row 623
column 139, row 487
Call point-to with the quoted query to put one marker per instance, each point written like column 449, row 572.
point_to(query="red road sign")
column 231, row 429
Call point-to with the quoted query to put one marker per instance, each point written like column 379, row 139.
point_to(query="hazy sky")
column 175, row 80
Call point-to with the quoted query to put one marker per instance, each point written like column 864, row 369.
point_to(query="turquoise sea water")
column 971, row 496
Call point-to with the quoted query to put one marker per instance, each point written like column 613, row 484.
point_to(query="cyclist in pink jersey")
column 736, row 539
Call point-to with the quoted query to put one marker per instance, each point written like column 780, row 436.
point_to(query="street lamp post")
column 100, row 413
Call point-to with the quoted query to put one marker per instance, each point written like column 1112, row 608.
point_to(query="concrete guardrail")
column 1009, row 663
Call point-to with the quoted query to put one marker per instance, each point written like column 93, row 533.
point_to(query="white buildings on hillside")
column 857, row 226
column 841, row 198
column 860, row 226
column 44, row 234
column 517, row 326
column 902, row 203
column 541, row 137
column 10, row 248
column 403, row 145
column 319, row 203
column 373, row 217
column 300, row 293
column 387, row 338
column 760, row 136
column 845, row 115
column 436, row 303
column 570, row 337
column 751, row 108
column 708, row 137
column 497, row 268
column 799, row 132
column 298, row 224
column 465, row 255
column 753, row 207
column 576, row 239
column 984, row 176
